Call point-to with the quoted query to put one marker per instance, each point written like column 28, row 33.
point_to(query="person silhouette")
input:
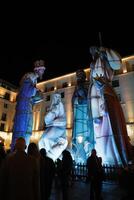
column 95, row 172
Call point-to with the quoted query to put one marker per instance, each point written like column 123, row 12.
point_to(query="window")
column 115, row 83
column 62, row 94
column 132, row 67
column 48, row 98
column 52, row 88
column 65, row 84
column 5, row 105
column 4, row 116
column 2, row 127
column 119, row 97
column 46, row 89
column 7, row 96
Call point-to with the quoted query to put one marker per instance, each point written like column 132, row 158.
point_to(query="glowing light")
column 130, row 113
column 36, row 136
column 124, row 71
column 69, row 136
column 6, row 139
column 2, row 93
column 130, row 130
column 69, row 118
column 36, row 117
column 80, row 139
column 69, row 84
column 128, row 58
column 55, row 88
column 13, row 97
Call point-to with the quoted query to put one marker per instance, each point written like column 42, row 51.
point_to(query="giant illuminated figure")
column 54, row 138
column 110, row 134
column 28, row 96
column 81, row 141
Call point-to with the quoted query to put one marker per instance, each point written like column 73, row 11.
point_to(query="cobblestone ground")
column 81, row 190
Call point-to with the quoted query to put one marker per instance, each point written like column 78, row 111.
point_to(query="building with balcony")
column 8, row 93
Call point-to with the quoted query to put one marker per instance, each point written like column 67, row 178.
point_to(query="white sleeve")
column 114, row 59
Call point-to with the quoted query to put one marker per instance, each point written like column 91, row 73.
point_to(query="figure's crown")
column 38, row 63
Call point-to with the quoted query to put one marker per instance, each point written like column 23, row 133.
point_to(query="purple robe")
column 23, row 121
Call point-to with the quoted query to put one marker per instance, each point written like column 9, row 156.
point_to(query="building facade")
column 122, row 83
column 8, row 94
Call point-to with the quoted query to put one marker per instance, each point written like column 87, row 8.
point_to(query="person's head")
column 80, row 75
column 66, row 154
column 39, row 68
column 20, row 144
column 2, row 149
column 56, row 98
column 93, row 152
column 33, row 149
column 100, row 160
column 43, row 152
column 94, row 51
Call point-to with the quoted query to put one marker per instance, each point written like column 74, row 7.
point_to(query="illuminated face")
column 56, row 98
column 94, row 51
column 80, row 75
column 40, row 71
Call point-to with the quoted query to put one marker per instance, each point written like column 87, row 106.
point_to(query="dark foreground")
column 81, row 190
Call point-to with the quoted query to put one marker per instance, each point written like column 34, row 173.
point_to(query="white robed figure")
column 54, row 138
column 105, row 111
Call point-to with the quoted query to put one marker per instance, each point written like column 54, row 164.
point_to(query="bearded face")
column 81, row 76
column 56, row 98
column 40, row 73
column 39, row 68
column 94, row 51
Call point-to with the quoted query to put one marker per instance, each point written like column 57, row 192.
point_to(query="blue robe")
column 23, row 121
column 81, row 123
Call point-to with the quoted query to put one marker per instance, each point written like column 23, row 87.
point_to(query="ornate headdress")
column 58, row 97
column 39, row 65
column 80, row 75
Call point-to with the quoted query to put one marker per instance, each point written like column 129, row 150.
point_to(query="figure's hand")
column 38, row 90
column 61, row 141
column 99, row 81
column 99, row 78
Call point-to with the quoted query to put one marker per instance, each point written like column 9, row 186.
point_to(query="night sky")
column 63, row 52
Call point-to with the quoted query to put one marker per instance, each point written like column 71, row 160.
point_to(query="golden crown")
column 39, row 63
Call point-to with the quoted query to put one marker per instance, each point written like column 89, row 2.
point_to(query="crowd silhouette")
column 28, row 174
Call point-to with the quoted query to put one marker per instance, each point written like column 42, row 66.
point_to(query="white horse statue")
column 54, row 138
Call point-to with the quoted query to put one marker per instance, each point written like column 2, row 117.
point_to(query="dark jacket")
column 19, row 178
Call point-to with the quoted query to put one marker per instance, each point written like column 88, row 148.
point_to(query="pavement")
column 81, row 190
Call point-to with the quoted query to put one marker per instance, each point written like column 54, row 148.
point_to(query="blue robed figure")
column 82, row 142
column 28, row 95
